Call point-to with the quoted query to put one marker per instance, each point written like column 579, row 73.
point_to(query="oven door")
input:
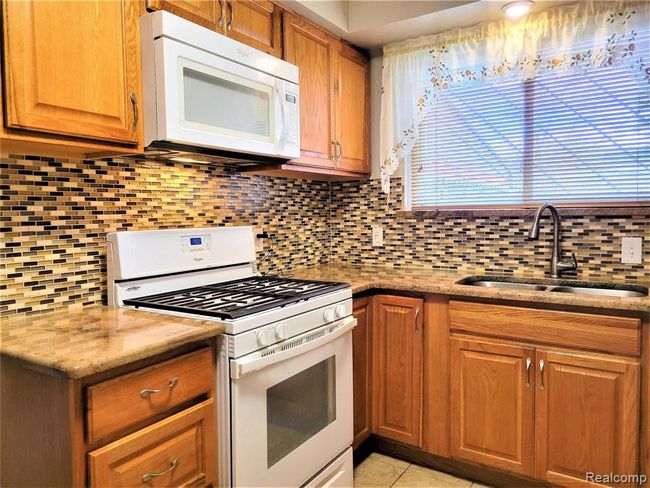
column 292, row 407
column 208, row 101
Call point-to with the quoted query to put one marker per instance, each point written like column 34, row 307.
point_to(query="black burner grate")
column 238, row 298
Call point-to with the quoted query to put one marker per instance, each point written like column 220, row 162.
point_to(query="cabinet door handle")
column 149, row 476
column 338, row 154
column 333, row 150
column 528, row 363
column 541, row 374
column 417, row 314
column 221, row 14
column 136, row 115
column 232, row 14
column 145, row 393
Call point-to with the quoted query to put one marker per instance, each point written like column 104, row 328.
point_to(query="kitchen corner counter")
column 76, row 343
column 421, row 280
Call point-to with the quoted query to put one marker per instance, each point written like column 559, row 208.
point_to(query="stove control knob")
column 281, row 332
column 340, row 311
column 265, row 337
column 328, row 315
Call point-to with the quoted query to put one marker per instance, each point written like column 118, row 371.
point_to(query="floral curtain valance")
column 581, row 36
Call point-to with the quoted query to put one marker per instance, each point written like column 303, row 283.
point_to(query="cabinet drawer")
column 177, row 451
column 126, row 400
column 581, row 330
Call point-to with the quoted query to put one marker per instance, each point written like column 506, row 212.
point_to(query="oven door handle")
column 248, row 364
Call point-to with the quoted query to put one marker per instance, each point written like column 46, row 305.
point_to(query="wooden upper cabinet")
column 73, row 68
column 491, row 406
column 352, row 110
column 208, row 13
column 256, row 23
column 397, row 368
column 587, row 417
column 313, row 51
column 361, row 368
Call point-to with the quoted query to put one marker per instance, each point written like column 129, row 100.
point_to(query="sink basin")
column 559, row 286
column 507, row 284
column 603, row 292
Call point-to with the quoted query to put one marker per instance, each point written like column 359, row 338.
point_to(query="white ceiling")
column 374, row 23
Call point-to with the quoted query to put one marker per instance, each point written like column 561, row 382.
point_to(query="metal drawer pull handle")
column 221, row 16
column 172, row 383
column 232, row 14
column 541, row 374
column 528, row 363
column 149, row 476
column 134, row 101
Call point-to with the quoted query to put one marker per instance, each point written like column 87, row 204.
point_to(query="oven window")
column 299, row 408
column 217, row 102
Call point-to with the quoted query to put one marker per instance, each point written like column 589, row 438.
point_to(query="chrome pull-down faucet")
column 558, row 266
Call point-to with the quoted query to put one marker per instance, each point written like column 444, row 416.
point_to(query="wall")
column 55, row 215
column 495, row 244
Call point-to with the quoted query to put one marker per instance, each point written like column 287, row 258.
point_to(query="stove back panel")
column 140, row 254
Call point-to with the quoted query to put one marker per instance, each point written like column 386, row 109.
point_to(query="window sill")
column 569, row 211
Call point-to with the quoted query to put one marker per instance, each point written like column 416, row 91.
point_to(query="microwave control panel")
column 291, row 104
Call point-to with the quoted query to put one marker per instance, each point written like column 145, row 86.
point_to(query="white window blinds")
column 565, row 137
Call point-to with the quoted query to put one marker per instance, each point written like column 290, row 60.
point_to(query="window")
column 580, row 137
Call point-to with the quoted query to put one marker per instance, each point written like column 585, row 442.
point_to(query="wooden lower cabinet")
column 491, row 407
column 397, row 368
column 177, row 451
column 361, row 367
column 586, row 416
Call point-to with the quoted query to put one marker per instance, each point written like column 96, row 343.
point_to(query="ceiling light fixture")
column 517, row 9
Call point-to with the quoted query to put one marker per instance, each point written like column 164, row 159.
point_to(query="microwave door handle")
column 283, row 120
column 242, row 367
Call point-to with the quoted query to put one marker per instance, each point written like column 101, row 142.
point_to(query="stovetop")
column 238, row 298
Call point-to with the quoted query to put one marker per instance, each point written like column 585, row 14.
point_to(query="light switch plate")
column 632, row 250
column 377, row 236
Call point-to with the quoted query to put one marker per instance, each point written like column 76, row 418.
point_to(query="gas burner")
column 238, row 298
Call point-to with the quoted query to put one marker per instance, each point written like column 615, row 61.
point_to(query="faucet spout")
column 557, row 265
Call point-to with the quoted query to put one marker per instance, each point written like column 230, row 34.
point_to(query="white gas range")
column 284, row 365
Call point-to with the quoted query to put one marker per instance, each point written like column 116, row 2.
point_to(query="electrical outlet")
column 377, row 236
column 631, row 250
column 259, row 242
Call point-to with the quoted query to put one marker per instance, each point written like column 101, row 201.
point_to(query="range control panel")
column 195, row 244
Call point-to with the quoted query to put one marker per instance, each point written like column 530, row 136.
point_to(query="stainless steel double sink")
column 559, row 286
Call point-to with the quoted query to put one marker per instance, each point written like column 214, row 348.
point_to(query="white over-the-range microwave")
column 210, row 98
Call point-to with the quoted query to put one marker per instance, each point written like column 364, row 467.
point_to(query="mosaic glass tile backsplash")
column 494, row 244
column 55, row 214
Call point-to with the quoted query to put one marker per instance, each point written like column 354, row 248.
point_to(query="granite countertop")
column 421, row 280
column 79, row 342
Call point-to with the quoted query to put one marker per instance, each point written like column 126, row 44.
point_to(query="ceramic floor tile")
column 419, row 477
column 372, row 473
column 387, row 459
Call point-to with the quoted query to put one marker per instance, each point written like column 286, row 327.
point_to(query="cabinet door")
column 587, row 417
column 361, row 367
column 352, row 122
column 73, row 68
column 313, row 50
column 256, row 23
column 208, row 13
column 491, row 411
column 397, row 368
